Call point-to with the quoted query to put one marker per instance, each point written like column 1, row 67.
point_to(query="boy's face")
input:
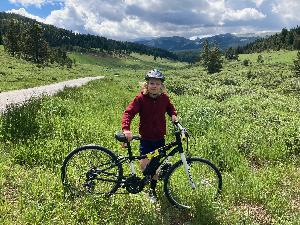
column 154, row 86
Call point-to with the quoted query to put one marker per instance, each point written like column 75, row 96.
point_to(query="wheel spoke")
column 180, row 191
column 91, row 169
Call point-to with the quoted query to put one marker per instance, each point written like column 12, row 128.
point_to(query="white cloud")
column 28, row 2
column 127, row 19
column 89, row 16
column 23, row 12
column 37, row 3
column 68, row 18
column 244, row 14
column 134, row 18
column 258, row 3
column 288, row 9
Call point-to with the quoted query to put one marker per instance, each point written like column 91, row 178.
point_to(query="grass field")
column 245, row 119
column 272, row 57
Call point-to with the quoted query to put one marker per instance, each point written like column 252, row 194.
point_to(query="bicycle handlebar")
column 183, row 130
column 121, row 137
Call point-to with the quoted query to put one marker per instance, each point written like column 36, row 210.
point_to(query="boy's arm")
column 131, row 110
column 171, row 110
column 174, row 118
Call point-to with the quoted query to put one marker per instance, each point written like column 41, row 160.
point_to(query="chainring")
column 134, row 184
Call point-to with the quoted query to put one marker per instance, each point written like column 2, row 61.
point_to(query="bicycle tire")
column 78, row 171
column 205, row 175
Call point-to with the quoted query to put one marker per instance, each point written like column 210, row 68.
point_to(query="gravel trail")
column 17, row 96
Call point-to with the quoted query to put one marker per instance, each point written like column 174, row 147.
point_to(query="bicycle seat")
column 121, row 137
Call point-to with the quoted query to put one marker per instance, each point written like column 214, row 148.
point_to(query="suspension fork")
column 186, row 165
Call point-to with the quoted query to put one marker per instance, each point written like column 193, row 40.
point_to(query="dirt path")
column 18, row 96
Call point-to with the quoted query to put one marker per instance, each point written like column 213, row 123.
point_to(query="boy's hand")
column 128, row 134
column 174, row 118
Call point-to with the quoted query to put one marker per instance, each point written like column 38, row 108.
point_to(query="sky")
column 136, row 19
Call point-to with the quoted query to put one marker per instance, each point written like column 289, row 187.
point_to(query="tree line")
column 58, row 37
column 27, row 42
column 40, row 43
column 286, row 39
column 70, row 41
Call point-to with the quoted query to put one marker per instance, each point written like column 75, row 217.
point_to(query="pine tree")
column 205, row 53
column 11, row 39
column 296, row 43
column 211, row 58
column 215, row 60
column 35, row 47
column 230, row 54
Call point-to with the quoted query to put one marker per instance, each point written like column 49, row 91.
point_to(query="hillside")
column 182, row 44
column 286, row 39
column 19, row 74
column 58, row 37
column 244, row 119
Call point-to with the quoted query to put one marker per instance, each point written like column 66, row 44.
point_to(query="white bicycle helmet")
column 155, row 73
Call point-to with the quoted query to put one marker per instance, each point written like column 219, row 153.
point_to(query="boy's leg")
column 145, row 148
column 153, row 182
column 143, row 164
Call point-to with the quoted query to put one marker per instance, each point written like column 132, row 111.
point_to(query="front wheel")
column 203, row 182
column 91, row 168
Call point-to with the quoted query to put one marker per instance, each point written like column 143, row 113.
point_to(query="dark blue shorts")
column 150, row 146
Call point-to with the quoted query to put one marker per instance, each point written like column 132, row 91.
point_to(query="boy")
column 152, row 104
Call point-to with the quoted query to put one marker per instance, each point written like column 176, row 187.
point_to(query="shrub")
column 19, row 121
column 297, row 65
column 260, row 59
column 246, row 62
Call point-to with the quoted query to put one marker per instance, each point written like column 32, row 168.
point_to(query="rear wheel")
column 205, row 176
column 91, row 168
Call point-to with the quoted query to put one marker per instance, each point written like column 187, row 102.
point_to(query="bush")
column 19, row 122
column 260, row 59
column 246, row 62
column 297, row 65
column 178, row 88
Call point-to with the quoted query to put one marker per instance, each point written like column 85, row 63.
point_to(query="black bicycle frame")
column 162, row 153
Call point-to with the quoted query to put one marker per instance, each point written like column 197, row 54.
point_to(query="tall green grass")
column 244, row 119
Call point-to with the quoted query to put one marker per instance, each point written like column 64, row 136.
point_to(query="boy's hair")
column 144, row 88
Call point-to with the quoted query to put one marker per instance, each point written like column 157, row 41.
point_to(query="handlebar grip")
column 176, row 122
column 136, row 137
column 121, row 137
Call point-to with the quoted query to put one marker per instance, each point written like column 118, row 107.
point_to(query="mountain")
column 171, row 43
column 176, row 43
column 261, row 34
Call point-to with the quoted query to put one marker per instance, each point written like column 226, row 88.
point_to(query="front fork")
column 187, row 170
column 132, row 168
column 184, row 161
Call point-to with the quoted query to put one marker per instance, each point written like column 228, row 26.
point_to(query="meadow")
column 245, row 119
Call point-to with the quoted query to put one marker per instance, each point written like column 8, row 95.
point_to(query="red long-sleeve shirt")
column 152, row 115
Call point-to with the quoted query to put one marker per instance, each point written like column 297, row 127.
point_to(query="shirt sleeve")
column 132, row 109
column 170, row 108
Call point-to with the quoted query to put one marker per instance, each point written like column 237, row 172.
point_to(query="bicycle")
column 95, row 169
